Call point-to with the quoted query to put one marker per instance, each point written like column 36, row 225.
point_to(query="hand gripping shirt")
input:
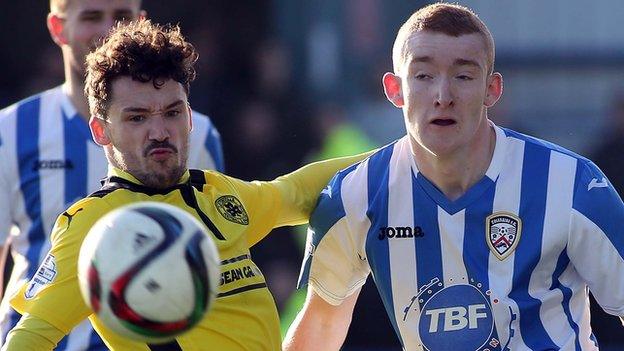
column 506, row 266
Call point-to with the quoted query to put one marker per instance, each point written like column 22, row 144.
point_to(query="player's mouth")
column 161, row 154
column 160, row 151
column 443, row 122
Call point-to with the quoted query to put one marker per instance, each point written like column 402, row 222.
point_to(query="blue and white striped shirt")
column 49, row 160
column 506, row 266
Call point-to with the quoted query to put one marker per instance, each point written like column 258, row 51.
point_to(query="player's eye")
column 172, row 113
column 464, row 77
column 422, row 76
column 136, row 118
column 91, row 17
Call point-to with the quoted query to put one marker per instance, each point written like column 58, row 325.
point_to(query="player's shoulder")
column 371, row 168
column 31, row 104
column 205, row 175
column 586, row 171
column 220, row 182
column 584, row 166
column 201, row 120
column 215, row 182
column 355, row 180
column 541, row 145
column 88, row 205
column 79, row 218
column 204, row 130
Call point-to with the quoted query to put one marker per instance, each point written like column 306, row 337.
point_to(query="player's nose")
column 443, row 93
column 158, row 129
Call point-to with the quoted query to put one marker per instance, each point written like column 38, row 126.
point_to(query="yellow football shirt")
column 238, row 213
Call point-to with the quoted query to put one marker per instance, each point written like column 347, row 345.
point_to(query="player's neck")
column 456, row 173
column 74, row 88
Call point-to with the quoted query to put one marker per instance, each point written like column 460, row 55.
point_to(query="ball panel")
column 162, row 291
column 157, row 271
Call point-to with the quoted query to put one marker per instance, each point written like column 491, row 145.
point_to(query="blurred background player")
column 49, row 159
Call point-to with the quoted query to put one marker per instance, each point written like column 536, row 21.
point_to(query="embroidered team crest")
column 232, row 209
column 502, row 233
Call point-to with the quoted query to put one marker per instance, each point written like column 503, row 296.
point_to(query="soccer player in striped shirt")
column 477, row 237
column 48, row 157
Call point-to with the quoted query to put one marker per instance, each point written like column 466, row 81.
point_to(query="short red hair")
column 449, row 19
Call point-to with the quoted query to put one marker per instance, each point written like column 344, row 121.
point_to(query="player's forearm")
column 308, row 333
column 301, row 188
column 320, row 325
column 34, row 334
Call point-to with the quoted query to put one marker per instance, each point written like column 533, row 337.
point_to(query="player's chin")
column 442, row 147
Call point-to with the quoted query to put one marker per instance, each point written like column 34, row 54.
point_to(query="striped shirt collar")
column 498, row 157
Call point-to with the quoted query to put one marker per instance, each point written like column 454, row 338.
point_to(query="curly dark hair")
column 143, row 50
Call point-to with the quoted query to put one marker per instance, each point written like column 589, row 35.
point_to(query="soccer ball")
column 149, row 270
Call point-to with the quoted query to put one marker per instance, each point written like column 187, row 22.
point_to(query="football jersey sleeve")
column 289, row 199
column 53, row 293
column 596, row 238
column 32, row 333
column 334, row 264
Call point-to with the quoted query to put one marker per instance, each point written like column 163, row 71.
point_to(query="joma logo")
column 400, row 232
column 53, row 164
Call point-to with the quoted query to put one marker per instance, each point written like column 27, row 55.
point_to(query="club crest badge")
column 232, row 209
column 502, row 233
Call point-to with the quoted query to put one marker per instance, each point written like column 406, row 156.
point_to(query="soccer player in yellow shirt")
column 137, row 85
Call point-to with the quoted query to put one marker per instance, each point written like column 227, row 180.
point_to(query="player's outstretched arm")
column 289, row 199
column 301, row 188
column 32, row 333
column 320, row 325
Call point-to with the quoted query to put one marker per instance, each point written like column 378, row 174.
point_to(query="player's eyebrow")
column 175, row 104
column 466, row 62
column 425, row 59
column 457, row 62
column 143, row 109
column 91, row 13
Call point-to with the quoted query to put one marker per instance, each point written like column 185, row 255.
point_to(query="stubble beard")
column 161, row 179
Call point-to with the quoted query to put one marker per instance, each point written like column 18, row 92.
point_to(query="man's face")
column 147, row 130
column 85, row 22
column 445, row 90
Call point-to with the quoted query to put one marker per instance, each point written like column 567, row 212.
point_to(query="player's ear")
column 392, row 87
column 142, row 14
column 56, row 24
column 494, row 89
column 98, row 131
column 190, row 113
